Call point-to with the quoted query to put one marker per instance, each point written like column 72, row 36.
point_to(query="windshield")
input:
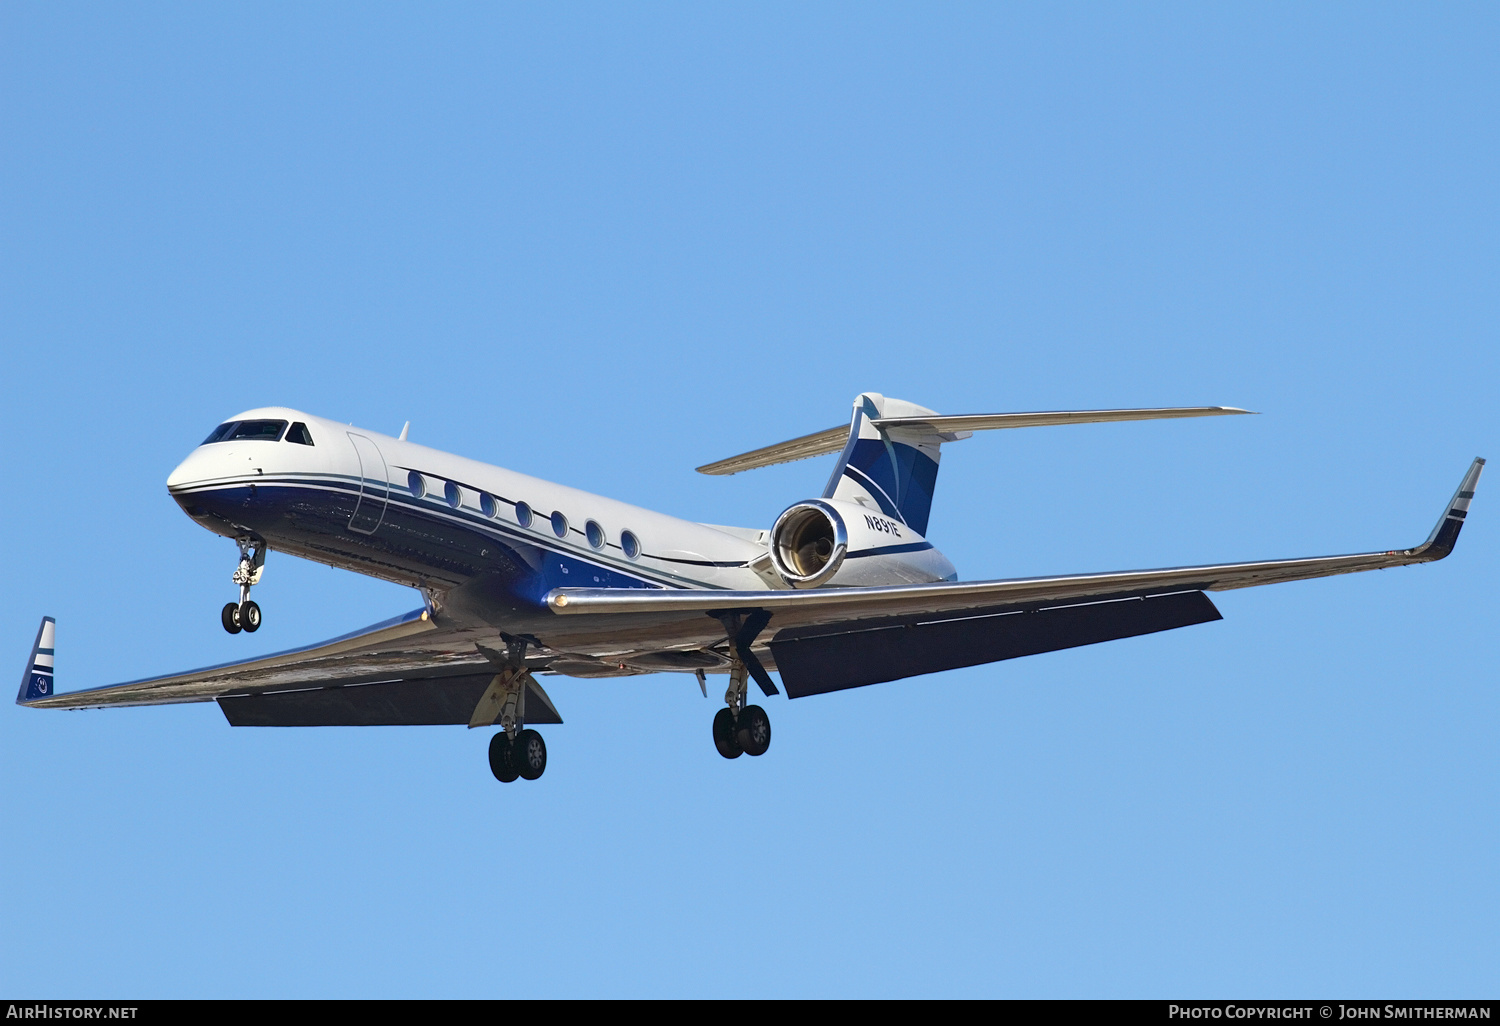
column 254, row 430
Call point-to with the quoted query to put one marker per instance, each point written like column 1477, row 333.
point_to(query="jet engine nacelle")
column 821, row 542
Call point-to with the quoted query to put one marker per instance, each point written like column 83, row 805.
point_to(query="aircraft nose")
column 181, row 476
column 199, row 466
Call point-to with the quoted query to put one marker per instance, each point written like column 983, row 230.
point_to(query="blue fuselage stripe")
column 297, row 511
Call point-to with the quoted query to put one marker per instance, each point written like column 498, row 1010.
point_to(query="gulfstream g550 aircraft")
column 522, row 577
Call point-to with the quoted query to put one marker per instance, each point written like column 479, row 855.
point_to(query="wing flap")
column 813, row 661
column 409, row 702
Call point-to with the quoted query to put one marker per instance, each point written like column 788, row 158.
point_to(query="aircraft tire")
column 724, row 735
column 501, row 762
column 530, row 754
column 250, row 617
column 231, row 618
column 753, row 731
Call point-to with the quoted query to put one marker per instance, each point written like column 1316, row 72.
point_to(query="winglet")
column 37, row 681
column 1440, row 542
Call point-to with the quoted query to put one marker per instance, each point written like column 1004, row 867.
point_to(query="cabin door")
column 374, row 486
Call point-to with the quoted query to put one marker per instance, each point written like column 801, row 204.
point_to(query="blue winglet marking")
column 37, row 680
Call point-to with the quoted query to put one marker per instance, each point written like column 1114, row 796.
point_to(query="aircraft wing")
column 406, row 670
column 412, row 670
column 864, row 635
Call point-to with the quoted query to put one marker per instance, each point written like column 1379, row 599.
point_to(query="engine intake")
column 808, row 543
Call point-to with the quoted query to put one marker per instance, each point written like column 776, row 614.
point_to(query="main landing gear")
column 244, row 615
column 740, row 729
column 525, row 757
column 517, row 751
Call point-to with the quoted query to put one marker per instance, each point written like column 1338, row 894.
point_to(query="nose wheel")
column 244, row 615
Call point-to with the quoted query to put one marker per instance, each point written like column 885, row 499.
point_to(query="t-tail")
column 37, row 681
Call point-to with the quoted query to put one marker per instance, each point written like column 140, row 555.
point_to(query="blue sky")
column 605, row 244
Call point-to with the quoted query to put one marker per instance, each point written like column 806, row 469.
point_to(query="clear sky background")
column 605, row 244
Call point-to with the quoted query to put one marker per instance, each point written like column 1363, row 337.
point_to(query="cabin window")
column 487, row 504
column 416, row 484
column 256, row 431
column 595, row 534
column 454, row 494
column 559, row 524
column 630, row 544
column 523, row 514
column 299, row 434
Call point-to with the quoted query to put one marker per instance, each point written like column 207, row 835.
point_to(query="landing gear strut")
column 244, row 615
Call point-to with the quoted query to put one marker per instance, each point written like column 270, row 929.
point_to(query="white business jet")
column 522, row 577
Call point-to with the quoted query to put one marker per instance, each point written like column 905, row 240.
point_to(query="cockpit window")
column 221, row 432
column 257, row 431
column 299, row 434
column 250, row 430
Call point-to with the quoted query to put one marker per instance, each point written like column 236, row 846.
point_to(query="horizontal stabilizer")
column 1000, row 421
column 820, row 443
column 957, row 426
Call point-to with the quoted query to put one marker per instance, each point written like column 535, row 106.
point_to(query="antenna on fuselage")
column 404, row 428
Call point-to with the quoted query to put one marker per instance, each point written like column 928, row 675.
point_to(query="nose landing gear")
column 244, row 615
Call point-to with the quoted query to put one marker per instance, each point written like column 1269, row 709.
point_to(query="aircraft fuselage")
column 492, row 541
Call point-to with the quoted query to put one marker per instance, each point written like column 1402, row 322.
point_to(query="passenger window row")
column 453, row 495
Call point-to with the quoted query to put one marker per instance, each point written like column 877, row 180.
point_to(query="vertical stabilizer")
column 892, row 469
column 37, row 681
